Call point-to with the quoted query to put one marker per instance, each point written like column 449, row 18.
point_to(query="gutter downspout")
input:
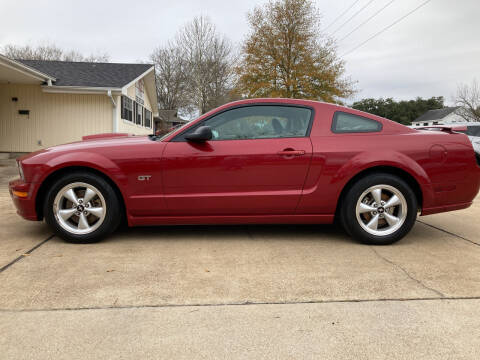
column 114, row 112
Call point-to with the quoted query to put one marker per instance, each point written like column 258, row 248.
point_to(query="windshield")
column 162, row 137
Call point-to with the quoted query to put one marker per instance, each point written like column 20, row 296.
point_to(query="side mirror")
column 203, row 133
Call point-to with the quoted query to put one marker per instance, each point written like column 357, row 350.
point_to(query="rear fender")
column 368, row 160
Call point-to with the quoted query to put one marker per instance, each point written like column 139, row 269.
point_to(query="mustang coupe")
column 256, row 161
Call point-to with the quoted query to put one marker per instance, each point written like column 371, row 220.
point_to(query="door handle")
column 291, row 152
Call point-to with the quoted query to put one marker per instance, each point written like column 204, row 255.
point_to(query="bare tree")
column 27, row 52
column 468, row 98
column 194, row 71
column 209, row 63
column 49, row 52
column 221, row 73
column 171, row 76
column 76, row 56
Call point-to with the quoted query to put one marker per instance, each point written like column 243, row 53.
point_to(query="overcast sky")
column 427, row 54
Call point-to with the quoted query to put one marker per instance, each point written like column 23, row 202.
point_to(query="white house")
column 438, row 117
column 45, row 103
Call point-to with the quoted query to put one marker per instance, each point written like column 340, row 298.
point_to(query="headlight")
column 20, row 170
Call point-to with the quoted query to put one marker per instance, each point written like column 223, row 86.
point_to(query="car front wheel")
column 82, row 208
column 379, row 209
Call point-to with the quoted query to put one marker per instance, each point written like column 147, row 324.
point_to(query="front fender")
column 45, row 167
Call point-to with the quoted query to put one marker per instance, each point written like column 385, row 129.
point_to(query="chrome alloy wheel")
column 381, row 210
column 79, row 208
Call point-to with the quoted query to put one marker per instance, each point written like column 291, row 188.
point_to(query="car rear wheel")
column 82, row 208
column 379, row 209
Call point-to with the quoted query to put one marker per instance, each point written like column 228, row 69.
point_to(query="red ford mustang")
column 253, row 161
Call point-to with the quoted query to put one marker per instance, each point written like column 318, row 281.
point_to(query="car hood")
column 90, row 144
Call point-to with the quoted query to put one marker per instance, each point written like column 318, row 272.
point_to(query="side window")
column 260, row 122
column 148, row 119
column 127, row 108
column 138, row 114
column 350, row 123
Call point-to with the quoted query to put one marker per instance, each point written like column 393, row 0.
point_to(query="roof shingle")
column 89, row 74
column 437, row 114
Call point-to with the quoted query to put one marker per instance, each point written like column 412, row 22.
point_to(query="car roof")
column 389, row 126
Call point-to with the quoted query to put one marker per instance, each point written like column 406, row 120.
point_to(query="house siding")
column 131, row 128
column 451, row 118
column 54, row 118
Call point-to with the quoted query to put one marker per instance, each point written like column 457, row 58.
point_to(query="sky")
column 429, row 53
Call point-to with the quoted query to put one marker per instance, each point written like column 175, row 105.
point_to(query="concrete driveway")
column 239, row 292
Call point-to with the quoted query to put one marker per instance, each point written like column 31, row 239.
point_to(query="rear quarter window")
column 349, row 123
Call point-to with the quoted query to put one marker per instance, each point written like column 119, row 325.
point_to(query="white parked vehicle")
column 472, row 131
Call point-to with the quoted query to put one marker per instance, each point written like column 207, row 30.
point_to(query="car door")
column 256, row 163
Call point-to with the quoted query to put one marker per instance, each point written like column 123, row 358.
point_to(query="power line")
column 351, row 17
column 386, row 28
column 343, row 13
column 366, row 21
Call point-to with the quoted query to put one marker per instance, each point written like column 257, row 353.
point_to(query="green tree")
column 286, row 55
column 403, row 112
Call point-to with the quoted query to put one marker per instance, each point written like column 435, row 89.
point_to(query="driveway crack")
column 407, row 273
column 243, row 303
column 2, row 269
column 449, row 233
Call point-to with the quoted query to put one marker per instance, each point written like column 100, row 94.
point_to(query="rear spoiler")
column 445, row 128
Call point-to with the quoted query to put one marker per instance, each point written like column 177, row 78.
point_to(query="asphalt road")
column 248, row 292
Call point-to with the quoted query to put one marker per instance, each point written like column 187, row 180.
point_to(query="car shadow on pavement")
column 233, row 232
column 277, row 232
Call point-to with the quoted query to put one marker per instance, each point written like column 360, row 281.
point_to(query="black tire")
column 348, row 210
column 113, row 210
